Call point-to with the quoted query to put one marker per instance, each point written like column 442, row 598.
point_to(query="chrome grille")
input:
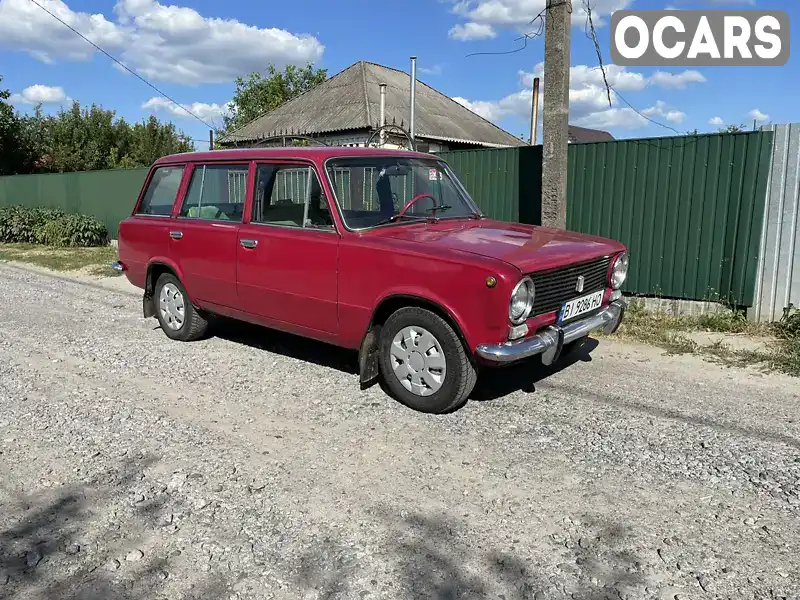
column 556, row 286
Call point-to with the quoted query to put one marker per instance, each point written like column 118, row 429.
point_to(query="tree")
column 81, row 139
column 727, row 129
column 732, row 129
column 148, row 141
column 257, row 94
column 87, row 139
column 16, row 154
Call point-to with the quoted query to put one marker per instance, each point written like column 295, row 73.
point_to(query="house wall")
column 778, row 281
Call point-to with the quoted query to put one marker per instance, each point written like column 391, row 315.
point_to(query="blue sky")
column 193, row 50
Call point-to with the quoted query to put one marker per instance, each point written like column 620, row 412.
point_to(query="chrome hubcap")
column 418, row 361
column 172, row 307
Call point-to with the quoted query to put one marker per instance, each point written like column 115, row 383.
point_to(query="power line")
column 121, row 64
column 525, row 37
column 592, row 35
column 644, row 116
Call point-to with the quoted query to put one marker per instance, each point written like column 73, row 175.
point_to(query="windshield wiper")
column 394, row 218
column 441, row 207
column 474, row 215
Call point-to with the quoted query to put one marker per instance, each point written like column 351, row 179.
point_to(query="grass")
column 89, row 261
column 669, row 332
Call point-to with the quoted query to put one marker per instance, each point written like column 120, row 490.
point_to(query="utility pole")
column 210, row 139
column 555, row 118
column 534, row 110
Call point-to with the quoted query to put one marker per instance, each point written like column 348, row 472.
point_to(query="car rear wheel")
column 177, row 316
column 423, row 361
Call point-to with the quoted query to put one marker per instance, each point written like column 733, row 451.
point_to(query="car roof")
column 311, row 153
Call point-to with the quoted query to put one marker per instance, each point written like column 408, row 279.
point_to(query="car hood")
column 527, row 247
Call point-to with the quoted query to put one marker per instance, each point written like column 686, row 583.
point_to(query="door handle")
column 250, row 244
column 176, row 235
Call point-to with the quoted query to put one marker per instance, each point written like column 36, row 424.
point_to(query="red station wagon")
column 380, row 251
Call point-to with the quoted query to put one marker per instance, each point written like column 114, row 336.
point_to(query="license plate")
column 581, row 305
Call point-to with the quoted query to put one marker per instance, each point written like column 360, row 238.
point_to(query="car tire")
column 176, row 314
column 436, row 379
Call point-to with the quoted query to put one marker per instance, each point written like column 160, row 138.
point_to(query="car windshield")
column 374, row 190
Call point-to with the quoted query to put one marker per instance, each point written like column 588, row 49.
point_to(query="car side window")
column 216, row 193
column 159, row 197
column 290, row 196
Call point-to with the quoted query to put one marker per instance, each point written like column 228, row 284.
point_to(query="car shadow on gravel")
column 286, row 344
column 495, row 383
column 70, row 541
column 439, row 557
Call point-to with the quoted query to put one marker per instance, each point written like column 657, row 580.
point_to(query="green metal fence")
column 689, row 208
column 107, row 195
column 505, row 182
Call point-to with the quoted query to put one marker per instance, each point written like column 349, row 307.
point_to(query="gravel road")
column 250, row 465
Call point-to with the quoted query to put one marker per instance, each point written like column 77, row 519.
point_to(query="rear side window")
column 161, row 192
column 216, row 193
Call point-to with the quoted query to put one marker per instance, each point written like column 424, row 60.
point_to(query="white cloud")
column 518, row 103
column 660, row 109
column 716, row 122
column 757, row 115
column 518, row 14
column 472, row 31
column 627, row 118
column 41, row 94
column 584, row 75
column 434, row 70
column 613, row 118
column 618, row 78
column 161, row 42
column 588, row 98
column 25, row 26
column 677, row 81
column 207, row 112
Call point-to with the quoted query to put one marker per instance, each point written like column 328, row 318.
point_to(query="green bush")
column 789, row 325
column 17, row 225
column 50, row 226
column 72, row 231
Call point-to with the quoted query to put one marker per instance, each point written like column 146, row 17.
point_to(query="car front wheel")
column 423, row 361
column 177, row 316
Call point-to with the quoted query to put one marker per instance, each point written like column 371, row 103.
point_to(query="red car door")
column 287, row 254
column 144, row 236
column 204, row 232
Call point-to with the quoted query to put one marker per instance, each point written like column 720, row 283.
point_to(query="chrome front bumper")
column 550, row 342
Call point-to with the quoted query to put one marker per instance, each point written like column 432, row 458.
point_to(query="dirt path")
column 250, row 465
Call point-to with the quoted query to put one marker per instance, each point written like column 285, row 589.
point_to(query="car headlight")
column 521, row 303
column 619, row 271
